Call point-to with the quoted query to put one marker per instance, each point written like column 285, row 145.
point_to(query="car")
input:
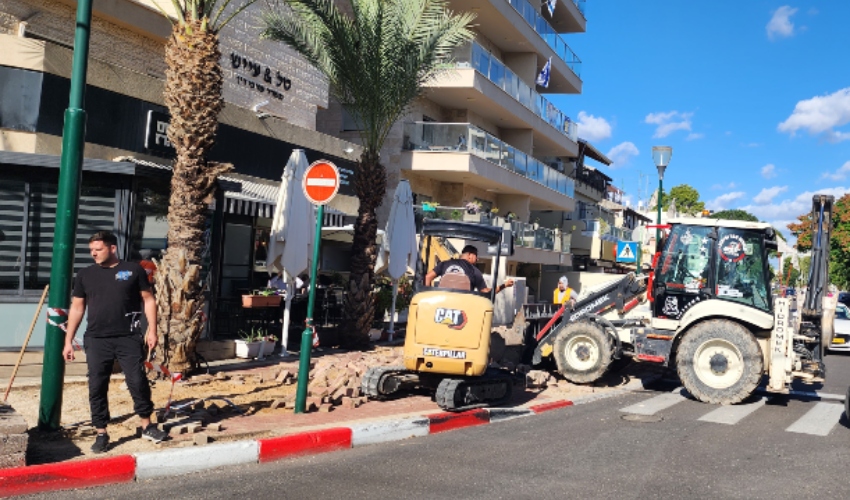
column 841, row 339
column 844, row 298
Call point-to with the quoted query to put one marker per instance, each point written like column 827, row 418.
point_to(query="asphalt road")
column 657, row 448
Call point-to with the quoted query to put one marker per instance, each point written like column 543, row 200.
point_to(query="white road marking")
column 653, row 405
column 818, row 421
column 732, row 414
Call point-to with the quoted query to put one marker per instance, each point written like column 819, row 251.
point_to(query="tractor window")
column 684, row 264
column 742, row 269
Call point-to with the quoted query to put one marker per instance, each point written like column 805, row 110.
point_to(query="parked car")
column 844, row 298
column 841, row 339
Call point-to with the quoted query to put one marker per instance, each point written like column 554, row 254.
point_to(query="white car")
column 841, row 340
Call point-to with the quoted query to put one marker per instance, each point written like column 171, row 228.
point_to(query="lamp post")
column 661, row 156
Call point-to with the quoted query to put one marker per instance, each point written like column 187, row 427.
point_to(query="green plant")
column 457, row 215
column 256, row 334
column 494, row 210
column 384, row 295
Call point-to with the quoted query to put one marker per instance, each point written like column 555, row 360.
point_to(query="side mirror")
column 507, row 244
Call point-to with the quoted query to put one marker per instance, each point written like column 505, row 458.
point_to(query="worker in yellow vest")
column 564, row 294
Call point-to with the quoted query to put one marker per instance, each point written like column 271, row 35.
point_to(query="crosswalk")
column 819, row 418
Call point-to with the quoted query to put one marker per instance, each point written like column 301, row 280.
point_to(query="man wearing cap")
column 465, row 265
column 564, row 293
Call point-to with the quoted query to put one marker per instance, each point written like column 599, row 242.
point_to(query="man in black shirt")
column 113, row 291
column 465, row 265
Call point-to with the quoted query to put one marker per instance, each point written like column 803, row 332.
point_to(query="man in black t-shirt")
column 115, row 293
column 465, row 265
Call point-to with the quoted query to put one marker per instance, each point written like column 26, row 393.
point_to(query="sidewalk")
column 227, row 437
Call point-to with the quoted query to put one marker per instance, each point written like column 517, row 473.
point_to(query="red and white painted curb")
column 177, row 461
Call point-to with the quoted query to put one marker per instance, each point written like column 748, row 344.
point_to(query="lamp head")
column 661, row 156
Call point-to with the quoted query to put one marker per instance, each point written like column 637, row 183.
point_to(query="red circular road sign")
column 321, row 182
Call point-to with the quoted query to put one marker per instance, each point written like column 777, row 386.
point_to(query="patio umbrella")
column 292, row 233
column 398, row 248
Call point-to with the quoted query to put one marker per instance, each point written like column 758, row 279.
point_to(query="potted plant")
column 267, row 297
column 251, row 342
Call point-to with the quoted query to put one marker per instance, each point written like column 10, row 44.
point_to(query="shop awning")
column 246, row 195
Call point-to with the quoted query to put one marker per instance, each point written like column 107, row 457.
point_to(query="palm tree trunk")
column 193, row 96
column 370, row 184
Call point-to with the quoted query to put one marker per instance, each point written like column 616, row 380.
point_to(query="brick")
column 278, row 403
column 201, row 439
column 283, row 376
column 214, row 427
column 193, row 427
column 11, row 422
column 13, row 460
column 13, row 443
column 325, row 408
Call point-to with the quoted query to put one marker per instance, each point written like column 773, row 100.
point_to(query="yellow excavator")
column 447, row 344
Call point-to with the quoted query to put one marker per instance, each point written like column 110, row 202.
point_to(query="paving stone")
column 201, row 439
column 214, row 427
column 11, row 444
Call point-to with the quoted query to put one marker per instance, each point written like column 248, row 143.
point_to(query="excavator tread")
column 461, row 394
column 374, row 379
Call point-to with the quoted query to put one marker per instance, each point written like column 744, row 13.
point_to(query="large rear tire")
column 583, row 352
column 719, row 362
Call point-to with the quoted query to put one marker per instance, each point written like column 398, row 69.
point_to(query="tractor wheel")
column 719, row 362
column 583, row 352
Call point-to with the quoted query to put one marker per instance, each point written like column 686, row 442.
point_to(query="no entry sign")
column 321, row 182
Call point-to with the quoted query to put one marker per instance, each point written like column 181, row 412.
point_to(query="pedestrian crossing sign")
column 627, row 251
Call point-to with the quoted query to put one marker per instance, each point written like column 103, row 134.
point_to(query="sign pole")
column 67, row 211
column 307, row 335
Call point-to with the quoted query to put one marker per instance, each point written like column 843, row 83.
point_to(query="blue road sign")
column 627, row 251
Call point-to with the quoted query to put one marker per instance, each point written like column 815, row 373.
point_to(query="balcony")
column 443, row 148
column 532, row 16
column 569, row 17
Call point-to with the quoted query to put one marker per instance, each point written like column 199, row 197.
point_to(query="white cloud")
column 768, row 194
column 729, row 186
column 780, row 25
column 694, row 136
column 820, row 115
column 768, row 171
column 838, row 175
column 789, row 209
column 593, row 129
column 622, row 153
column 669, row 122
column 724, row 201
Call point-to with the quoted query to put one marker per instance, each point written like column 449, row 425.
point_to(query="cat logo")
column 453, row 318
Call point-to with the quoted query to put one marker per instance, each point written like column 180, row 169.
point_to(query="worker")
column 563, row 293
column 465, row 265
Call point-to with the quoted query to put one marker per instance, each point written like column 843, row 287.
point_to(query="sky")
column 753, row 96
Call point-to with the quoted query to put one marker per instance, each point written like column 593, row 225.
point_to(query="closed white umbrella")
column 398, row 249
column 292, row 233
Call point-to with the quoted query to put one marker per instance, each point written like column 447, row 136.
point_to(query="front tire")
column 583, row 352
column 719, row 362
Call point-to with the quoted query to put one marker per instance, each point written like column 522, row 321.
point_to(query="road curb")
column 178, row 461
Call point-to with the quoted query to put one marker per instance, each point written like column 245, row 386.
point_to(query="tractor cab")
column 707, row 259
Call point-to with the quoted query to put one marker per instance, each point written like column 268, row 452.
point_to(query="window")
column 27, row 227
column 350, row 121
column 683, row 270
column 741, row 268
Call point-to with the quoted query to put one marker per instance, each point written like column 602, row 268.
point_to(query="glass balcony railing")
column 608, row 232
column 581, row 4
column 530, row 11
column 478, row 58
column 467, row 138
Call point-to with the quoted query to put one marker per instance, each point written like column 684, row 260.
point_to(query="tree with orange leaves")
column 839, row 254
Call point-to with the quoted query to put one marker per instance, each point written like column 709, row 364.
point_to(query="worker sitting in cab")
column 564, row 294
column 462, row 274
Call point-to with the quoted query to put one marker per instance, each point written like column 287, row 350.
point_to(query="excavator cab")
column 447, row 343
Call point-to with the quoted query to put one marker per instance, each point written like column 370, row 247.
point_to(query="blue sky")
column 753, row 96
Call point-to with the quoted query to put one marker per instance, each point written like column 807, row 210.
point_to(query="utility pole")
column 67, row 210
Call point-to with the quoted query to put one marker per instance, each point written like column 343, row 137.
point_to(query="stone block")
column 11, row 444
column 14, row 460
column 214, row 427
column 11, row 422
column 201, row 439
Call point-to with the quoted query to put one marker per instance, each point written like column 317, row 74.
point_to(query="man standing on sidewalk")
column 113, row 291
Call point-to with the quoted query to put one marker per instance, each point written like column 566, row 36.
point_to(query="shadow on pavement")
column 48, row 447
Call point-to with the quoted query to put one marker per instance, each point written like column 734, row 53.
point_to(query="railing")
column 467, row 138
column 612, row 233
column 581, row 4
column 525, row 235
column 478, row 58
column 531, row 14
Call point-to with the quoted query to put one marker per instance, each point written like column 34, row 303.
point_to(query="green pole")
column 658, row 229
column 62, row 262
column 307, row 336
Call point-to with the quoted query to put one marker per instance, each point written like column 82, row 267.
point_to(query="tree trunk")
column 193, row 96
column 370, row 184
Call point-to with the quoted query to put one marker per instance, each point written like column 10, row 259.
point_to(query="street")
column 651, row 444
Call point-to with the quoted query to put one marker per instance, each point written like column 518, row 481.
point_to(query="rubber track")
column 370, row 385
column 449, row 387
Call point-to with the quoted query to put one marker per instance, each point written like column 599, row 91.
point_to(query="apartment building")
column 487, row 143
column 271, row 95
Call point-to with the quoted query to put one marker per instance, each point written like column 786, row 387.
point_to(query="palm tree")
column 193, row 82
column 377, row 60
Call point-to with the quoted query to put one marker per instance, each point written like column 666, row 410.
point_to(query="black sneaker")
column 101, row 443
column 153, row 434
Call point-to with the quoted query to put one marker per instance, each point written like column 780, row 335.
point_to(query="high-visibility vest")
column 564, row 300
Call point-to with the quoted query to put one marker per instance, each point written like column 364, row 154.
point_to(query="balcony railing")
column 581, row 4
column 530, row 11
column 610, row 233
column 478, row 58
column 525, row 235
column 467, row 138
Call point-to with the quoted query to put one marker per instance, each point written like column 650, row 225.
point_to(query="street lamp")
column 661, row 156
